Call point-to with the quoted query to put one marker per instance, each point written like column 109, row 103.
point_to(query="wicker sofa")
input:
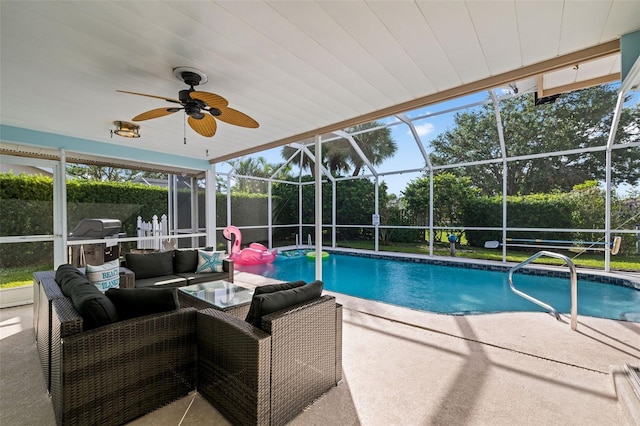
column 268, row 375
column 114, row 373
column 44, row 292
column 174, row 268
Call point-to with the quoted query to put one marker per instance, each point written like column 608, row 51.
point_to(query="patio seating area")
column 405, row 367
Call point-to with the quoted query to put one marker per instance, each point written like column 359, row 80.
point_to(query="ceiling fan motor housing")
column 191, row 78
column 194, row 111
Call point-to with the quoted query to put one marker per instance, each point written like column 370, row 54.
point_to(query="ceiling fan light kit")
column 197, row 104
column 126, row 129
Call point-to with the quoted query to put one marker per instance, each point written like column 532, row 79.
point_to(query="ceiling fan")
column 201, row 107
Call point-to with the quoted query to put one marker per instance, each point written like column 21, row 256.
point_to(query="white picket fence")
column 155, row 228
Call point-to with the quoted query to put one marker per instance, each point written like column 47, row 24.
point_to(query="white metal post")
column 607, row 211
column 60, row 254
column 229, row 209
column 269, row 216
column 300, row 198
column 210, row 205
column 503, row 152
column 173, row 200
column 194, row 211
column 377, row 213
column 430, row 212
column 334, row 213
column 504, row 211
column 318, row 206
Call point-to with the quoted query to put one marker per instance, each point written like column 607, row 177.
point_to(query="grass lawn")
column 18, row 277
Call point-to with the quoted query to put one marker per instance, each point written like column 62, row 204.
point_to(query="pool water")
column 452, row 290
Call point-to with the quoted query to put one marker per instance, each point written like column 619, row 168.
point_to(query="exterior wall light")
column 126, row 129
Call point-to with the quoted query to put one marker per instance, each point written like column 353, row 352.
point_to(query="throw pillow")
column 104, row 276
column 150, row 265
column 137, row 302
column 185, row 261
column 209, row 261
column 273, row 302
column 93, row 306
column 263, row 289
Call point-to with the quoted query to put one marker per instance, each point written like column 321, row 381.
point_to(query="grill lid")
column 95, row 228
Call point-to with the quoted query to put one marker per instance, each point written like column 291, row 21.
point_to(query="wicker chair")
column 45, row 290
column 267, row 377
column 115, row 373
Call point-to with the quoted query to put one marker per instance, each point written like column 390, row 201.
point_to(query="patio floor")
column 405, row 367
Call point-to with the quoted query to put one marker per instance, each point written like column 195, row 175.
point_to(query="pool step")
column 626, row 381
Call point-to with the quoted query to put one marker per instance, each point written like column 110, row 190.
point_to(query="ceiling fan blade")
column 151, row 96
column 232, row 116
column 211, row 99
column 155, row 113
column 206, row 126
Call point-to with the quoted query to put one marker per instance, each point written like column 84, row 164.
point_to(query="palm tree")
column 339, row 156
column 377, row 145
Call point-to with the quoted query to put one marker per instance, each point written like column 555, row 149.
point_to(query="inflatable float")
column 255, row 254
column 312, row 254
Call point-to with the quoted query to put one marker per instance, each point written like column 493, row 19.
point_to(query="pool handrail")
column 574, row 285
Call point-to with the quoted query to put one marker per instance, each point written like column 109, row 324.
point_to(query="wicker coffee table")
column 221, row 295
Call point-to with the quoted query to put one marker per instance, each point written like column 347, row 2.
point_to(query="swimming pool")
column 453, row 290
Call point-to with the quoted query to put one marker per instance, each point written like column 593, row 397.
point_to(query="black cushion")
column 267, row 303
column 277, row 287
column 137, row 302
column 263, row 289
column 185, row 261
column 149, row 265
column 95, row 308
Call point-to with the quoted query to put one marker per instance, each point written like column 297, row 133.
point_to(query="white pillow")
column 209, row 261
column 104, row 276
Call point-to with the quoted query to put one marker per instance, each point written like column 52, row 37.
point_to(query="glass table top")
column 221, row 294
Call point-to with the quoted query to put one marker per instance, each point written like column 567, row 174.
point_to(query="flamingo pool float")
column 255, row 254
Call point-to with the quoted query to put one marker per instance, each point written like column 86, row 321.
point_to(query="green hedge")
column 529, row 211
column 26, row 208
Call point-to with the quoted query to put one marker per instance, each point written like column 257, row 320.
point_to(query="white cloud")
column 423, row 129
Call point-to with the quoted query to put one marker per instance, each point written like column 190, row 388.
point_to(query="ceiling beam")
column 543, row 93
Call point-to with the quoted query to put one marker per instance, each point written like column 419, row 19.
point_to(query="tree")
column 579, row 119
column 109, row 174
column 258, row 167
column 450, row 194
column 101, row 173
column 339, row 156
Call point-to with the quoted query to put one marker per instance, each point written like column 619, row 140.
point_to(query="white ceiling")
column 294, row 66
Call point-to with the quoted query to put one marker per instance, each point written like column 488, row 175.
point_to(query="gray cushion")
column 264, row 289
column 149, row 265
column 267, row 303
column 137, row 302
column 185, row 261
column 93, row 306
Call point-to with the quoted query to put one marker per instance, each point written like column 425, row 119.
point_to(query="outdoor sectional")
column 111, row 374
column 104, row 365
column 266, row 369
column 174, row 268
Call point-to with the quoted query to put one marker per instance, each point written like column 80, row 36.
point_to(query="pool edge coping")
column 613, row 278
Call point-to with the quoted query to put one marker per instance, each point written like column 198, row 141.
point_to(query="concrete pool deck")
column 406, row 367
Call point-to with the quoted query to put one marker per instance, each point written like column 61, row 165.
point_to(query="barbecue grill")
column 94, row 253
